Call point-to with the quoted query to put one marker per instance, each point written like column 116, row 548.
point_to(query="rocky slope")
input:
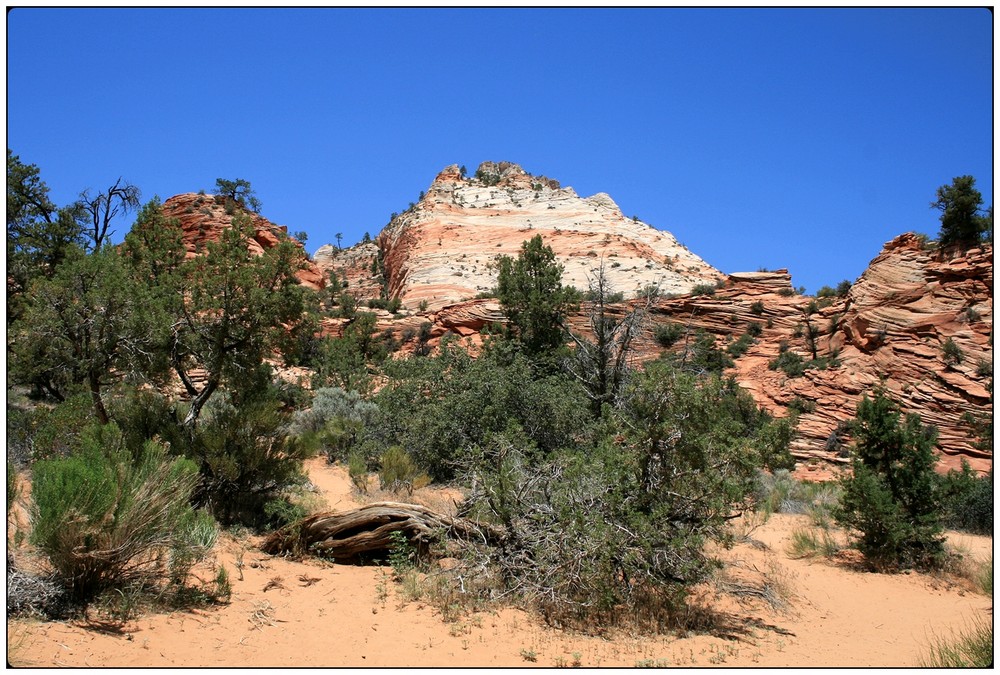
column 890, row 329
column 203, row 217
column 441, row 249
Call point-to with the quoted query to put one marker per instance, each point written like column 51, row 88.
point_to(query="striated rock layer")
column 890, row 329
column 441, row 249
column 203, row 218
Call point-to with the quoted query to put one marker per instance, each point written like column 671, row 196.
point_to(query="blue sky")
column 769, row 137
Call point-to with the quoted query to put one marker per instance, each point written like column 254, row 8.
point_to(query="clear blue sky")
column 798, row 138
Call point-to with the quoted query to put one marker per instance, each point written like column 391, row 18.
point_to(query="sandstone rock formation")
column 440, row 251
column 203, row 218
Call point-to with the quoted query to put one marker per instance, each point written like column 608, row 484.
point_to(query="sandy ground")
column 313, row 614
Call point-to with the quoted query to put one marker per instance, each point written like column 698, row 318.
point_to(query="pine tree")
column 890, row 497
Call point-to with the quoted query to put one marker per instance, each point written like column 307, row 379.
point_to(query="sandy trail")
column 313, row 613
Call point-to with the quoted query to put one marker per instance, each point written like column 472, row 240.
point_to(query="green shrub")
column 809, row 543
column 801, row 405
column 617, row 533
column 890, row 497
column 739, row 347
column 967, row 500
column 703, row 289
column 791, row 363
column 244, row 456
column 666, row 334
column 951, row 352
column 757, row 307
column 754, row 329
column 357, row 469
column 397, row 471
column 104, row 515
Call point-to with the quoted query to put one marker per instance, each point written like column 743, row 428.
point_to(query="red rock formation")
column 203, row 218
column 890, row 329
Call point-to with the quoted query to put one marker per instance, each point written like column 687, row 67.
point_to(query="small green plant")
column 402, row 554
column 357, row 469
column 757, row 308
column 789, row 362
column 703, row 289
column 809, row 543
column 668, row 333
column 398, row 471
column 971, row 648
column 223, row 590
column 422, row 306
column 951, row 353
column 529, row 655
column 984, row 368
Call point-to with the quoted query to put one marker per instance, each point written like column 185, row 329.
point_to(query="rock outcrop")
column 441, row 250
column 203, row 218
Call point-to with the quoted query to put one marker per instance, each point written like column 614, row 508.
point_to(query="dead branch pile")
column 368, row 530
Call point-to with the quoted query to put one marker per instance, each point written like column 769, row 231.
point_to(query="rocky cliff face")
column 203, row 218
column 440, row 250
column 890, row 329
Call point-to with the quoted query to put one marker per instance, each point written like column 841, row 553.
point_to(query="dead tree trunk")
column 367, row 531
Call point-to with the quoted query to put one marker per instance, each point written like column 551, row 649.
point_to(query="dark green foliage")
column 244, row 455
column 237, row 192
column 739, row 347
column 843, row 288
column 345, row 361
column 801, row 405
column 234, row 309
column 39, row 235
column 532, row 296
column 791, row 363
column 88, row 326
column 951, row 353
column 702, row 356
column 666, row 334
column 703, row 289
column 757, row 307
column 963, row 221
column 890, row 498
column 967, row 500
column 102, row 515
column 754, row 329
column 617, row 534
column 44, row 433
column 454, row 402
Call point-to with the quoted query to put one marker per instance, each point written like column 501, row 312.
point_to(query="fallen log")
column 368, row 531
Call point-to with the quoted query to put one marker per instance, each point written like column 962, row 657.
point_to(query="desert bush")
column 454, row 402
column 739, row 347
column 244, row 455
column 105, row 515
column 757, row 307
column 616, row 534
column 49, row 432
column 967, row 500
column 811, row 542
column 951, row 352
column 703, row 289
column 333, row 422
column 890, row 497
column 702, row 356
column 357, row 469
column 666, row 334
column 397, row 471
column 790, row 362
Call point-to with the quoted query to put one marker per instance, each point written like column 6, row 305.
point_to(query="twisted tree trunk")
column 368, row 530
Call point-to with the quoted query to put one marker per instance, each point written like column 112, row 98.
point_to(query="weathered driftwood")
column 368, row 530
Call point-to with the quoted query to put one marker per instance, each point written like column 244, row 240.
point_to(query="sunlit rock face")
column 203, row 218
column 442, row 249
